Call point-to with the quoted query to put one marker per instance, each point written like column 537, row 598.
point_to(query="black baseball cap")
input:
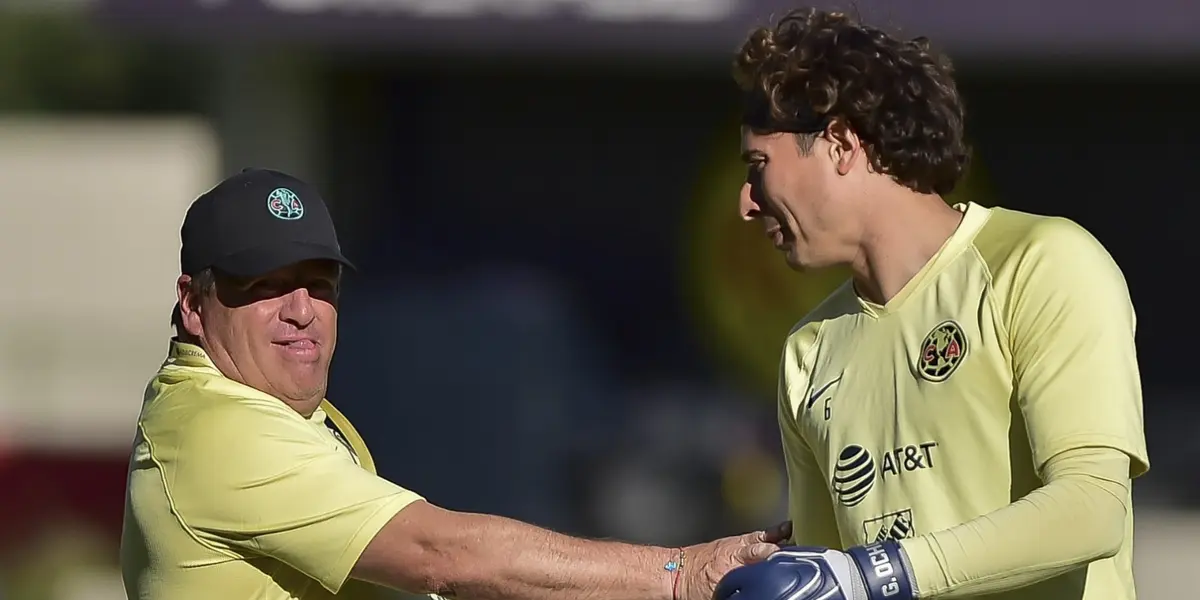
column 255, row 222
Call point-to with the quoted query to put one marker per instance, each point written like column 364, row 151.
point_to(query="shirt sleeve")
column 255, row 481
column 1080, row 515
column 1071, row 328
column 810, row 505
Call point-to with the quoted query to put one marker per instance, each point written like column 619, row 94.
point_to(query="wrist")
column 673, row 565
column 885, row 570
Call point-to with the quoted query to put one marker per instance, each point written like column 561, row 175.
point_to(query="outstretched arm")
column 313, row 508
column 428, row 549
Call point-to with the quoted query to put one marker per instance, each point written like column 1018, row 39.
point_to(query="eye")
column 755, row 168
column 322, row 289
column 322, row 285
column 266, row 288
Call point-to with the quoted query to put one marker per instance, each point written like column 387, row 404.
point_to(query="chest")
column 901, row 389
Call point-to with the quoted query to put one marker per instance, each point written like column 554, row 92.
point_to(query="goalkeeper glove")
column 875, row 572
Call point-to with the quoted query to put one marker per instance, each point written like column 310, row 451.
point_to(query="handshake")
column 763, row 571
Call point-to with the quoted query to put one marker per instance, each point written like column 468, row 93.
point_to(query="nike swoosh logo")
column 817, row 395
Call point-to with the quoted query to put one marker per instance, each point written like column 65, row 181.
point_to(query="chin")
column 308, row 391
column 797, row 262
column 806, row 264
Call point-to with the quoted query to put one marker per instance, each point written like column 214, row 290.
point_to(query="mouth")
column 298, row 342
column 775, row 234
column 303, row 348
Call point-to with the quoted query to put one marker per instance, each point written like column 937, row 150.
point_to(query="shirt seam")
column 997, row 315
column 404, row 499
column 175, row 510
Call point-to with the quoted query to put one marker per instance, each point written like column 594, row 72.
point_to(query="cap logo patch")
column 285, row 204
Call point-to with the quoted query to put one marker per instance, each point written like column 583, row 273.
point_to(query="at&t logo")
column 854, row 475
column 855, row 471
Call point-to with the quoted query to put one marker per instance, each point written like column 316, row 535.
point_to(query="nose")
column 298, row 308
column 748, row 208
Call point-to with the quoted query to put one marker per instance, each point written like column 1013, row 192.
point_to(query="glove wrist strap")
column 884, row 571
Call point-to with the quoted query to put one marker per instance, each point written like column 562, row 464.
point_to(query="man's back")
column 232, row 494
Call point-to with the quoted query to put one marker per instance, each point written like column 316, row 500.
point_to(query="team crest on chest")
column 942, row 351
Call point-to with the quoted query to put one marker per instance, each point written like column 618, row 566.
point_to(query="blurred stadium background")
column 558, row 316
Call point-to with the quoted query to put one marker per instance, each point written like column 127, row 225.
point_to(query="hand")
column 875, row 572
column 705, row 564
column 780, row 533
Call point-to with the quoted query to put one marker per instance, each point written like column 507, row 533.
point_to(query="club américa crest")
column 285, row 204
column 942, row 351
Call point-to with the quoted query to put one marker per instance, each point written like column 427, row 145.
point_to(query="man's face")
column 275, row 333
column 793, row 195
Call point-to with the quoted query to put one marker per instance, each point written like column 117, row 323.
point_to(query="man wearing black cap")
column 246, row 483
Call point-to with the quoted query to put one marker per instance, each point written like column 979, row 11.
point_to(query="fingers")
column 774, row 535
column 756, row 546
column 753, row 538
column 779, row 533
column 755, row 552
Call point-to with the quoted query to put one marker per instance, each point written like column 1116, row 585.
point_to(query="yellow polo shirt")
column 234, row 495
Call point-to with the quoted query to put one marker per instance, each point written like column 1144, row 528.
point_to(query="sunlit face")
column 794, row 195
column 274, row 333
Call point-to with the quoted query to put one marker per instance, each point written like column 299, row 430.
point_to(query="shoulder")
column 837, row 304
column 1040, row 266
column 202, row 419
column 805, row 335
column 1013, row 243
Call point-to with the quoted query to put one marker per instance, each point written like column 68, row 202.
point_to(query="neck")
column 902, row 235
column 224, row 363
column 306, row 408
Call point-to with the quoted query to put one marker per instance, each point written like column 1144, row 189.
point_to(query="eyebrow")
column 752, row 155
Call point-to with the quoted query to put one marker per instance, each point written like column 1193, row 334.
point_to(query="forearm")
column 427, row 549
column 494, row 558
column 1079, row 516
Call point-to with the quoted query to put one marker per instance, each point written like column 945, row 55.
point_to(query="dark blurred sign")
column 1030, row 28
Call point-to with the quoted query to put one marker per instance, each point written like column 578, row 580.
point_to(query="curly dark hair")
column 899, row 97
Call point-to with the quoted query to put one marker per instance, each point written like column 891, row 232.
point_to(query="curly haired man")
column 963, row 417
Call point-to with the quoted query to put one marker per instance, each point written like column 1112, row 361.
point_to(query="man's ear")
column 845, row 149
column 189, row 306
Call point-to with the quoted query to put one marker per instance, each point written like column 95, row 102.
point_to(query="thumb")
column 779, row 533
column 755, row 552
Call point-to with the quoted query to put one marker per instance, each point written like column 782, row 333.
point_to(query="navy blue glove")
column 875, row 572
